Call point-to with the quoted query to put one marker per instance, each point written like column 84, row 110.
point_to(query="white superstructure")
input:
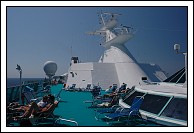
column 165, row 102
column 116, row 65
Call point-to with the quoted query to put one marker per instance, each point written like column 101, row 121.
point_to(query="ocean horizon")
column 16, row 81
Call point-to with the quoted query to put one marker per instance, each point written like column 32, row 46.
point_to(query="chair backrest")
column 95, row 91
column 137, row 101
column 47, row 111
column 88, row 86
column 73, row 86
column 51, row 108
column 114, row 87
column 123, row 87
column 114, row 100
column 28, row 96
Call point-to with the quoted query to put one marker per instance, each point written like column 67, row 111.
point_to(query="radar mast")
column 110, row 31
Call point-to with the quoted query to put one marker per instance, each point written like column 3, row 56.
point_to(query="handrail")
column 67, row 120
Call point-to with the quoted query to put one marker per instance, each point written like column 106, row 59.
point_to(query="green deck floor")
column 72, row 107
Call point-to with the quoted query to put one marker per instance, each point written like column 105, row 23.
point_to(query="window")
column 151, row 103
column 129, row 99
column 178, row 77
column 177, row 108
column 154, row 103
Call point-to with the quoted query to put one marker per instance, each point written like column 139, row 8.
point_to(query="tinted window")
column 177, row 108
column 129, row 99
column 153, row 103
column 182, row 79
column 178, row 77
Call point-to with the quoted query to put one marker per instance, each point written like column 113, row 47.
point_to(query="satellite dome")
column 50, row 67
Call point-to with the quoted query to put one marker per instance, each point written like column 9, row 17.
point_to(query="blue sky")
column 38, row 34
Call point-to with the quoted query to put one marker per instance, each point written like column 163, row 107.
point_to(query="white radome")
column 50, row 67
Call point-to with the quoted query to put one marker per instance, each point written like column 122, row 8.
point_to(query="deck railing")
column 12, row 94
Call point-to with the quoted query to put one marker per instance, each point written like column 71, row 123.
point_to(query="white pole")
column 20, row 89
column 177, row 48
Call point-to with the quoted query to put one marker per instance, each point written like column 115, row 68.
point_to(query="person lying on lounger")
column 118, row 91
column 34, row 108
column 111, row 103
column 40, row 104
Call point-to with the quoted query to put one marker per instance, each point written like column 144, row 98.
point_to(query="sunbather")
column 43, row 102
column 120, row 90
column 40, row 104
column 34, row 108
column 111, row 103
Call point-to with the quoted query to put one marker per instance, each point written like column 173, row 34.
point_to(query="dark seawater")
column 16, row 81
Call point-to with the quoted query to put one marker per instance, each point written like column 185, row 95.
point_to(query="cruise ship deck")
column 72, row 106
